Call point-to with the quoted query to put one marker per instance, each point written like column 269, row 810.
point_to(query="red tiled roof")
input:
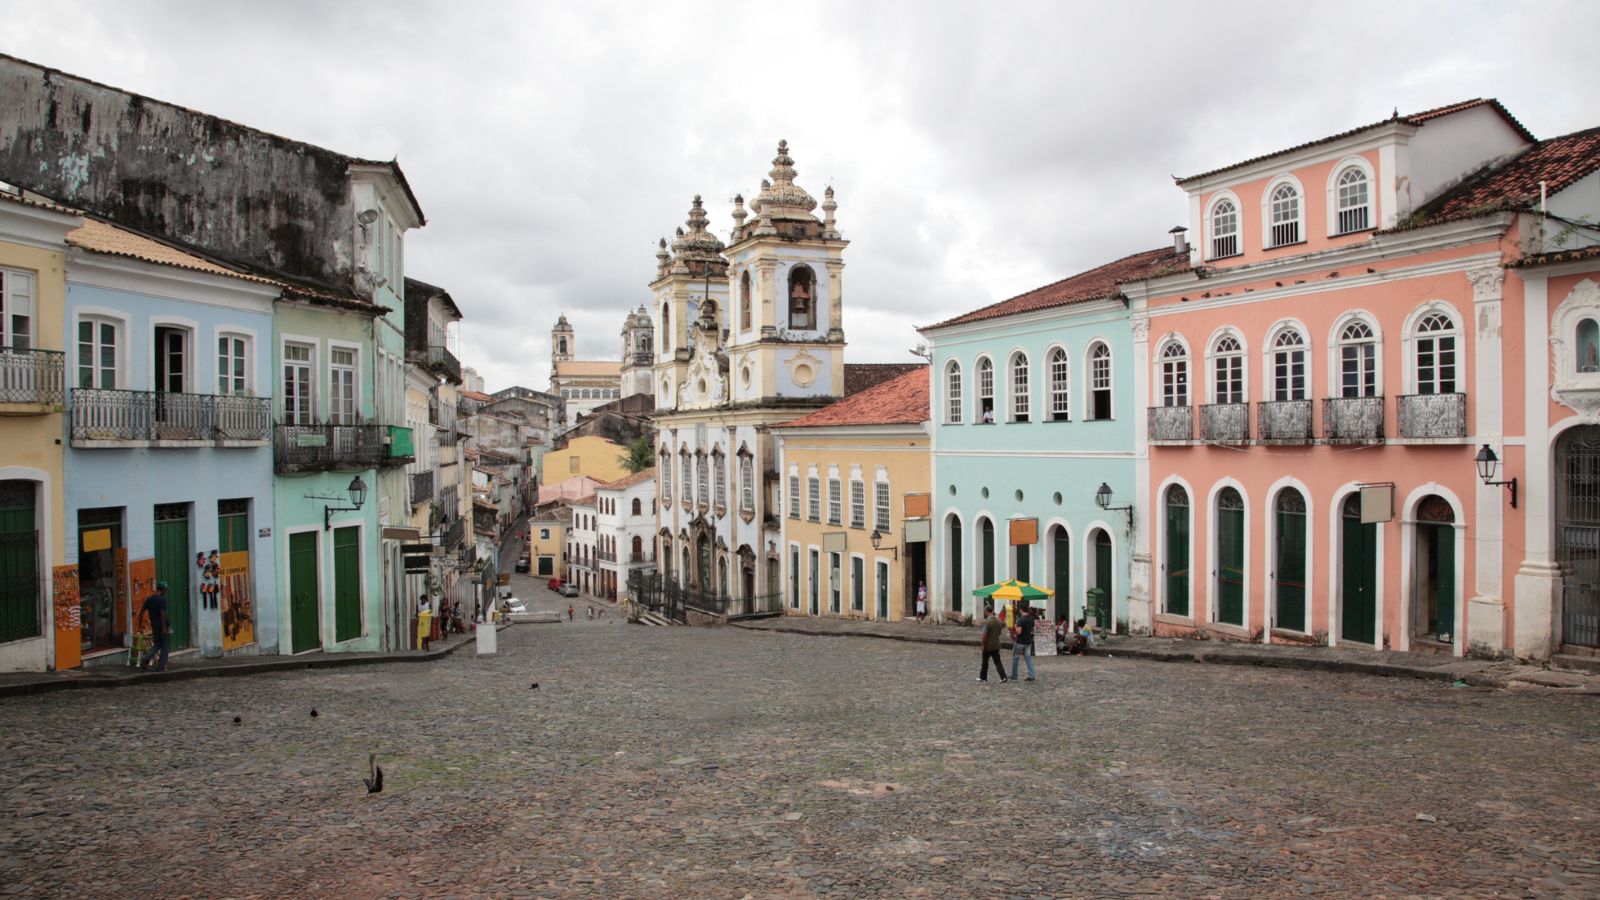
column 1095, row 284
column 1419, row 118
column 860, row 376
column 1555, row 256
column 476, row 395
column 1514, row 184
column 900, row 401
column 637, row 477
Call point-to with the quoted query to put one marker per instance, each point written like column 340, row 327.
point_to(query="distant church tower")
column 638, row 353
column 691, row 295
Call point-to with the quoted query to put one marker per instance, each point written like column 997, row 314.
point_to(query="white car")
column 515, row 605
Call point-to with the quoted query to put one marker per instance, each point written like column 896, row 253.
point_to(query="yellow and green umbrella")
column 1012, row 591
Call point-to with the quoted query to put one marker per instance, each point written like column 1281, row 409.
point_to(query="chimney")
column 1180, row 246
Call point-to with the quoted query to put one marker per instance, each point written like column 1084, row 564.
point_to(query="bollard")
column 486, row 636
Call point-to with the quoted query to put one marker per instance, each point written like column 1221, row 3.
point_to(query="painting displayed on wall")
column 142, row 579
column 67, row 615
column 238, row 610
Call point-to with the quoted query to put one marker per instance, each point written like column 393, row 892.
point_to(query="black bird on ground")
column 534, row 686
column 313, row 714
column 374, row 782
column 237, row 720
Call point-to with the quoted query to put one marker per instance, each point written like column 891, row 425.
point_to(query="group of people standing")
column 1071, row 640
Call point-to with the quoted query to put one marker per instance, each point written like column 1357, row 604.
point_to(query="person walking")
column 155, row 613
column 922, row 601
column 1022, row 642
column 990, row 643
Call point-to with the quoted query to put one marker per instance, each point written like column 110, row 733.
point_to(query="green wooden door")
column 986, row 535
column 1358, row 598
column 1230, row 557
column 19, row 561
column 173, row 564
column 1290, row 566
column 304, row 625
column 1102, row 580
column 958, row 588
column 346, row 583
column 1063, row 573
column 1444, row 581
column 1177, row 562
column 233, row 532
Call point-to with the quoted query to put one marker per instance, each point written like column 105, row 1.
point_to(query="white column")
column 1538, row 583
column 1483, row 621
column 1140, row 612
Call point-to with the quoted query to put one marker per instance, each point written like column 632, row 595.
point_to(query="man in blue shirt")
column 1023, row 642
column 155, row 612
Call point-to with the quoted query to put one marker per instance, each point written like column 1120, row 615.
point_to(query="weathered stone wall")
column 240, row 195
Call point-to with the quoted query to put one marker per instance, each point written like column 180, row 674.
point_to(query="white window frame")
column 813, row 496
column 952, row 397
column 312, row 413
column 1215, row 357
column 225, row 379
column 665, row 455
column 835, row 498
column 1211, row 235
column 702, row 490
column 1173, row 376
column 686, row 470
column 985, row 378
column 354, row 369
column 1348, row 164
column 1058, row 365
column 747, row 483
column 1018, row 372
column 1267, row 222
column 1413, row 344
column 1270, row 350
column 1091, row 380
column 794, row 494
column 858, row 501
column 881, row 499
column 119, row 350
column 719, row 477
column 1337, row 342
column 17, row 291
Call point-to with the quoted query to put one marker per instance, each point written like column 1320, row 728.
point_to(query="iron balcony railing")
column 1432, row 415
column 609, row 556
column 421, row 487
column 1352, row 420
column 32, row 376
column 1286, row 421
column 160, row 416
column 456, row 532
column 1171, row 423
column 1225, row 423
column 443, row 362
column 324, row 447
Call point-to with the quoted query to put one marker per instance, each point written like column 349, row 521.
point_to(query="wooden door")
column 1103, row 581
column 1358, row 596
column 1176, row 565
column 346, row 583
column 1062, row 548
column 173, row 565
column 304, row 602
column 1289, row 568
column 1230, row 557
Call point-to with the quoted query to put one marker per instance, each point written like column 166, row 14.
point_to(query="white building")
column 625, row 526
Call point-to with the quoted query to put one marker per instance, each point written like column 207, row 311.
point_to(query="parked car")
column 524, row 564
column 568, row 589
column 554, row 584
column 514, row 605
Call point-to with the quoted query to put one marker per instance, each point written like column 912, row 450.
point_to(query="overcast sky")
column 978, row 149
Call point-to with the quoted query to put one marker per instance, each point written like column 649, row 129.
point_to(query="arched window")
column 1284, row 208
column 744, row 300
column 802, row 298
column 1227, row 370
column 1019, row 387
column 1354, row 201
column 666, row 328
column 1358, row 361
column 1288, row 366
column 986, row 390
column 1435, row 354
column 1224, row 229
column 686, row 477
column 719, row 477
column 1099, row 381
column 666, row 473
column 1175, row 562
column 637, row 509
column 1174, row 375
column 1588, row 346
column 563, row 345
column 702, row 486
column 1060, row 385
column 638, row 544
column 747, row 484
column 952, row 393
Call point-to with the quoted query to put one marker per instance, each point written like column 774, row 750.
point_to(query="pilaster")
column 1485, row 613
column 1538, row 580
column 1141, row 613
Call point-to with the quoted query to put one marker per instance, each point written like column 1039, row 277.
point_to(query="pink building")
column 1367, row 314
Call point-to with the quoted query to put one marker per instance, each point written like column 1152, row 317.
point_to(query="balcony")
column 442, row 362
column 457, row 532
column 1352, row 420
column 421, row 487
column 1171, row 424
column 31, row 381
column 110, row 418
column 1225, row 423
column 1284, row 421
column 398, row 447
column 1432, row 416
column 324, row 448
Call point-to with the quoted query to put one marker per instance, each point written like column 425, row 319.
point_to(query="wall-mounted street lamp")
column 1487, row 462
column 877, row 544
column 358, row 497
column 1102, row 499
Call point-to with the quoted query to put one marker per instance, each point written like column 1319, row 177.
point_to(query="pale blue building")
column 1036, row 403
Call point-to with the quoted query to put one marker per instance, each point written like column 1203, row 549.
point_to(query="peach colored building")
column 1366, row 315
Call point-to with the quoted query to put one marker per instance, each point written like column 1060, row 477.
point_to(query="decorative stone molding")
column 803, row 368
column 1141, row 327
column 1570, row 384
column 1486, row 283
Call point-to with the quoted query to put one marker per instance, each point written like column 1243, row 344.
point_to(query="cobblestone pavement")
column 724, row 762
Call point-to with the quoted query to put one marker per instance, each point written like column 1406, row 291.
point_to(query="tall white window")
column 97, row 352
column 1227, row 371
column 747, row 485
column 719, row 476
column 814, row 498
column 1099, row 382
column 952, row 393
column 835, row 501
column 880, row 507
column 1353, row 197
column 16, row 309
column 686, row 477
column 1284, row 206
column 1289, row 366
column 1060, row 385
column 702, row 490
column 1019, row 387
column 1174, row 375
column 342, row 374
column 985, row 390
column 298, row 405
column 666, row 473
column 1224, row 229
column 1358, row 361
column 232, row 364
column 794, row 496
column 858, row 503
column 1436, row 354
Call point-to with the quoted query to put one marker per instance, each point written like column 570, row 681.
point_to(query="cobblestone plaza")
column 724, row 762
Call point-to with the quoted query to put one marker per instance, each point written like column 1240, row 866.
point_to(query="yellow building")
column 595, row 457
column 856, row 477
column 33, row 377
column 547, row 542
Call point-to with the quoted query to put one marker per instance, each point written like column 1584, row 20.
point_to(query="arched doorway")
column 1230, row 557
column 1577, row 479
column 1289, row 564
column 1358, row 575
column 1097, row 604
column 1433, row 570
column 986, row 553
column 958, row 587
column 702, row 572
column 1175, row 566
column 1061, row 570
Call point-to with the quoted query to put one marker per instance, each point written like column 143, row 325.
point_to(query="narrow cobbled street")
column 723, row 762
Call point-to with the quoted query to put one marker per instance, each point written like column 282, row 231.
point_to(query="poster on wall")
column 238, row 610
column 67, row 615
column 142, row 583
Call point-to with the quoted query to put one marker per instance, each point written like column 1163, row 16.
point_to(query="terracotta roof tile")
column 101, row 237
column 1556, row 256
column 636, row 478
column 1095, row 284
column 860, row 376
column 475, row 395
column 1514, row 184
column 899, row 401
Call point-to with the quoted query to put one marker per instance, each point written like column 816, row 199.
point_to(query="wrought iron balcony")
column 1284, row 421
column 32, row 376
column 456, row 532
column 1225, row 423
column 1171, row 424
column 323, row 447
column 421, row 487
column 118, row 418
column 1432, row 415
column 441, row 361
column 1352, row 420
